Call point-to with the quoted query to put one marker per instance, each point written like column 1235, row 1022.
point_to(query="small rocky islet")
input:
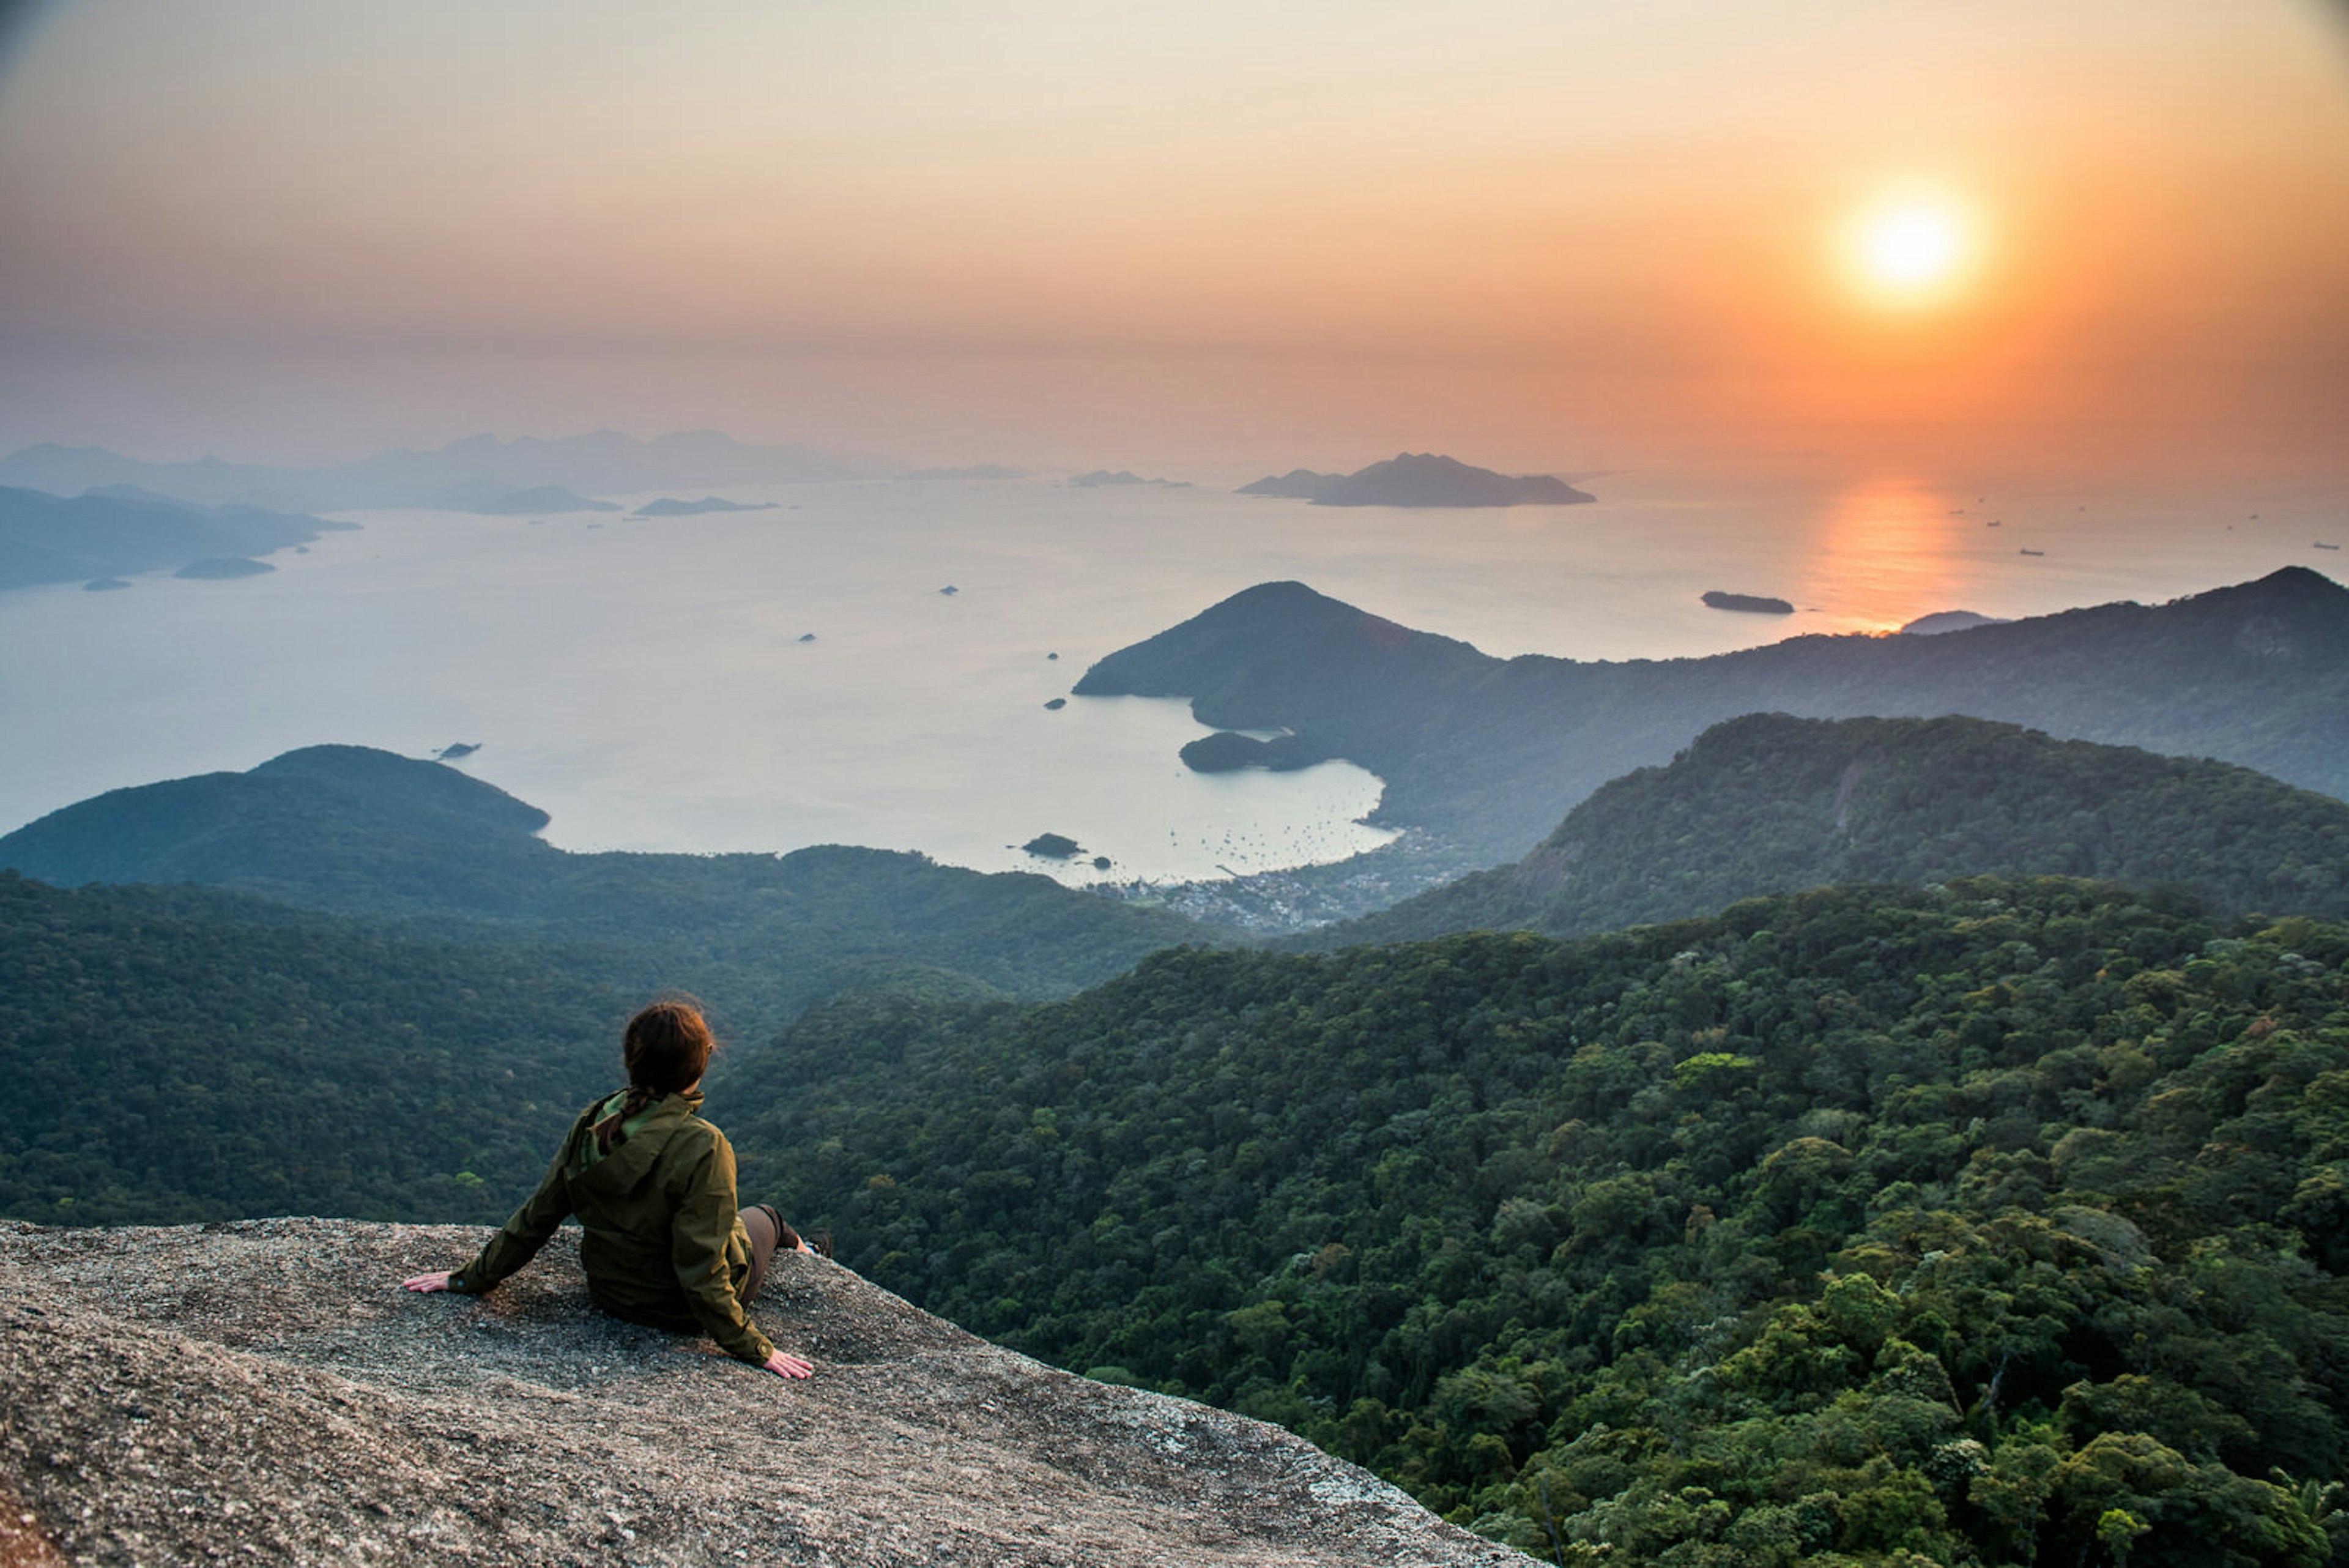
column 1748, row 604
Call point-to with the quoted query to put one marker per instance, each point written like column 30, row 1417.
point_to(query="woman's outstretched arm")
column 524, row 1233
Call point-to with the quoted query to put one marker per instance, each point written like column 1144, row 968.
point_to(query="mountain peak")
column 2302, row 584
column 318, row 812
column 276, row 1369
column 1236, row 658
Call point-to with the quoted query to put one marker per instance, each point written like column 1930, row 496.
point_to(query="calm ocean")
column 646, row 680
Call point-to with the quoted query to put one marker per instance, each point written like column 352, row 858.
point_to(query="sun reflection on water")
column 1893, row 545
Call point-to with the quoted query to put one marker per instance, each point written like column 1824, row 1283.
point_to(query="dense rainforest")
column 177, row 1055
column 1999, row 1222
column 1484, row 755
column 184, row 1054
column 1771, row 804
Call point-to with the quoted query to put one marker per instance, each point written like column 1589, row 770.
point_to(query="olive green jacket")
column 664, row 1244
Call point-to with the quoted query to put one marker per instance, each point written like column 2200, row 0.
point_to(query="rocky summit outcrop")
column 263, row 1391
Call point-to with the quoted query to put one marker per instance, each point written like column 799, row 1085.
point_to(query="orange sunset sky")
column 1219, row 236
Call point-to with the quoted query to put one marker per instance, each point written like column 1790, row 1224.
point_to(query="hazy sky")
column 1217, row 236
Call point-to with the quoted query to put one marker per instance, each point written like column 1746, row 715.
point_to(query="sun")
column 1912, row 250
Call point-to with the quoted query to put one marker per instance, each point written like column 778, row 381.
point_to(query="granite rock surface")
column 265, row 1391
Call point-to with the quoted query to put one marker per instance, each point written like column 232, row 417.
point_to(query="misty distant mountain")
column 1101, row 476
column 53, row 539
column 1487, row 755
column 135, row 496
column 669, row 506
column 1418, row 478
column 1767, row 804
column 461, row 476
column 967, row 471
column 542, row 498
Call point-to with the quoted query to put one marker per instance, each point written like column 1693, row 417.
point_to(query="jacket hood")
column 644, row 1136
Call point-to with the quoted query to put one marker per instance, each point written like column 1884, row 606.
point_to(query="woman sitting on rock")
column 653, row 1185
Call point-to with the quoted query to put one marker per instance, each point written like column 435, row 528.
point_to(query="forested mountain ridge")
column 364, row 832
column 1994, row 1223
column 1769, row 803
column 179, row 1054
column 1490, row 754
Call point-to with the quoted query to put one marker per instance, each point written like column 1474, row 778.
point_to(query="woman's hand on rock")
column 428, row 1283
column 785, row 1364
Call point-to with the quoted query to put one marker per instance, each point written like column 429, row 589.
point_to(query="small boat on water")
column 1995, row 522
column 2035, row 552
column 2322, row 546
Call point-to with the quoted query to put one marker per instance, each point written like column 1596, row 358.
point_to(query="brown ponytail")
column 665, row 1049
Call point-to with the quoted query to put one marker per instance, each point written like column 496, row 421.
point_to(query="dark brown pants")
column 768, row 1229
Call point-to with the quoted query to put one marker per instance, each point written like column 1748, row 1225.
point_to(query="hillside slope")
column 266, row 1392
column 182, row 1053
column 1867, row 1221
column 364, row 832
column 1769, row 803
column 1490, row 754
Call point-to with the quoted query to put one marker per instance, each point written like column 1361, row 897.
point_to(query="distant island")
column 1751, row 604
column 968, row 471
column 224, row 566
column 1103, row 476
column 1227, row 751
column 1418, row 478
column 1942, row 621
column 1053, row 847
column 668, row 506
column 457, row 749
column 540, row 498
column 101, row 539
